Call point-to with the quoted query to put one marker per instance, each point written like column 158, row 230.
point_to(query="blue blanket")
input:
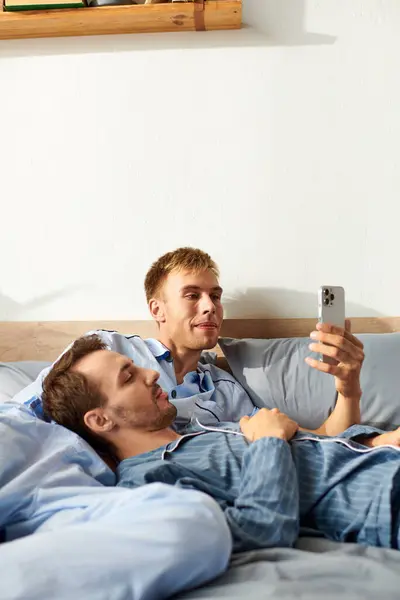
column 69, row 533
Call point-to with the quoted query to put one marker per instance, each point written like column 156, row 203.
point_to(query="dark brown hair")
column 68, row 395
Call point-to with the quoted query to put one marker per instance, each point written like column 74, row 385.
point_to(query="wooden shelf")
column 187, row 16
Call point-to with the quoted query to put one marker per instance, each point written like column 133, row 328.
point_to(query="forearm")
column 364, row 434
column 266, row 510
column 345, row 414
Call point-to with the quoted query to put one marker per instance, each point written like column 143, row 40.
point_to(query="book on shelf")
column 17, row 5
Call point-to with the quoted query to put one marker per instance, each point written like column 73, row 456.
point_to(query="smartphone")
column 331, row 309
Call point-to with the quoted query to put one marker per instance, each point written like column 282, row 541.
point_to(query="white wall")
column 276, row 150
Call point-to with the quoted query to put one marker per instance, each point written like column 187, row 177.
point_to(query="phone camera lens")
column 332, row 297
column 326, row 301
column 326, row 292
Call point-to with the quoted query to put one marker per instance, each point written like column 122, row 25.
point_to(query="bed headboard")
column 46, row 339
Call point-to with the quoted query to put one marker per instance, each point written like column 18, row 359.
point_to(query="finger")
column 333, row 329
column 331, row 351
column 347, row 325
column 352, row 338
column 321, row 366
column 341, row 356
column 275, row 410
column 339, row 342
column 243, row 423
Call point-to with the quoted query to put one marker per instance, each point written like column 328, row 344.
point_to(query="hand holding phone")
column 341, row 352
column 331, row 309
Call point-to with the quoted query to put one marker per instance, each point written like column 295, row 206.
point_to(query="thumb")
column 347, row 325
column 243, row 421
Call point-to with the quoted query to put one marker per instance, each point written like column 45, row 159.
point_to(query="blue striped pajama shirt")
column 270, row 489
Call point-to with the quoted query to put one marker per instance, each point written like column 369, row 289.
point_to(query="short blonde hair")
column 182, row 259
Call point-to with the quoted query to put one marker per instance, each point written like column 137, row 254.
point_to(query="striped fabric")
column 270, row 488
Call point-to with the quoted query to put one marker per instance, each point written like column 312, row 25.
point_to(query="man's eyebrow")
column 190, row 287
column 197, row 288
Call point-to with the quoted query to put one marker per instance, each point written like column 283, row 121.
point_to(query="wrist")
column 353, row 397
column 370, row 442
column 280, row 435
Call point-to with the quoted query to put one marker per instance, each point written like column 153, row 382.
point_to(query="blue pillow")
column 274, row 374
column 14, row 376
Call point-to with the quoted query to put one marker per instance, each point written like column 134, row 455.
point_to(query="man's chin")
column 205, row 339
column 169, row 416
column 209, row 344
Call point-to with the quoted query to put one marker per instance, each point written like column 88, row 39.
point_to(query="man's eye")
column 192, row 296
column 216, row 298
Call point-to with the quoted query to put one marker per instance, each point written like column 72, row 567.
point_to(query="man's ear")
column 157, row 310
column 98, row 422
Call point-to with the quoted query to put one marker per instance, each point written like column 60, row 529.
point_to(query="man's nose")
column 152, row 376
column 207, row 305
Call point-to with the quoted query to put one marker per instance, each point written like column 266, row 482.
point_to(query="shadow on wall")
column 283, row 22
column 270, row 303
column 11, row 310
column 266, row 23
column 254, row 303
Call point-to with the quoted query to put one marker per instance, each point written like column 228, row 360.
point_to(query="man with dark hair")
column 347, row 488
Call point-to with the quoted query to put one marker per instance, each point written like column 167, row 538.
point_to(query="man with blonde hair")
column 185, row 299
